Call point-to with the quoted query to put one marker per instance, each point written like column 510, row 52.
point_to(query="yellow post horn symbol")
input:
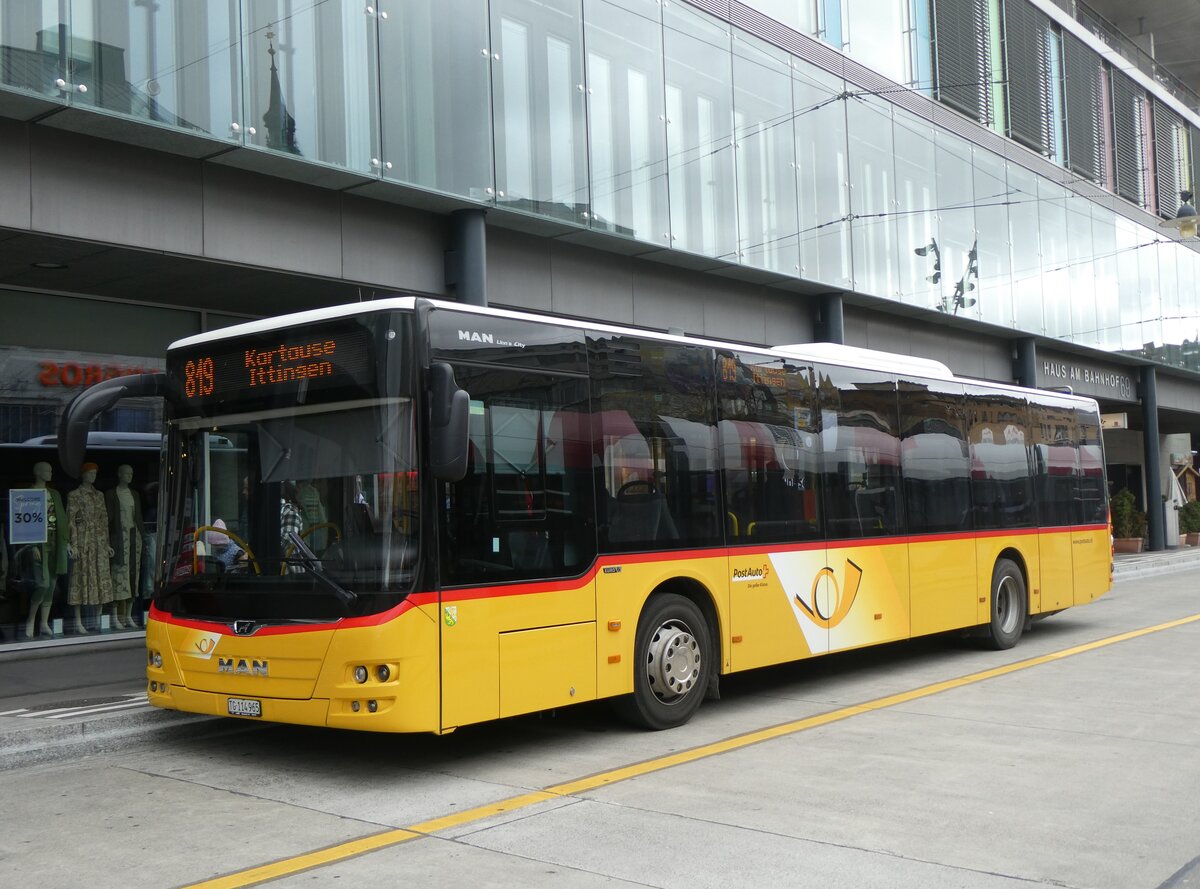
column 842, row 601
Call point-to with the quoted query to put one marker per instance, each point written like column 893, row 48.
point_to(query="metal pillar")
column 829, row 323
column 1156, row 517
column 466, row 260
column 1025, row 363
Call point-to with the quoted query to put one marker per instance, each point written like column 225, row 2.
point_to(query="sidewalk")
column 62, row 701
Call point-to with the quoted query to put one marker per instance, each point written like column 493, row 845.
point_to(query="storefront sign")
column 26, row 515
column 1086, row 379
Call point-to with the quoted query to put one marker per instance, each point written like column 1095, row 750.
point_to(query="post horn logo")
column 833, row 610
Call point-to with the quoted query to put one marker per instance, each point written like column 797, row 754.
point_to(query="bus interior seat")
column 643, row 517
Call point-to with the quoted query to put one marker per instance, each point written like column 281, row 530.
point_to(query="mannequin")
column 50, row 557
column 90, row 580
column 125, row 529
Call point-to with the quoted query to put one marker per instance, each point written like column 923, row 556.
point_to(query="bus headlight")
column 360, row 674
column 384, row 672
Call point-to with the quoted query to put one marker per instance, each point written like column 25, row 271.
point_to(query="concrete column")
column 829, row 325
column 1156, row 518
column 1025, row 362
column 466, row 260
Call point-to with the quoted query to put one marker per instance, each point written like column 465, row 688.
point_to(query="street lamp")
column 1185, row 221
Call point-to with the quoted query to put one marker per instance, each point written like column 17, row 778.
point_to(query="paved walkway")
column 68, row 700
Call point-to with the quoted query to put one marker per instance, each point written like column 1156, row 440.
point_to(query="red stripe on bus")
column 466, row 594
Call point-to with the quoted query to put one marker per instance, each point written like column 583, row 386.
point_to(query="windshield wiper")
column 317, row 569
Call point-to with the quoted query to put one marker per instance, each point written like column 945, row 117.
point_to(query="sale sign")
column 27, row 515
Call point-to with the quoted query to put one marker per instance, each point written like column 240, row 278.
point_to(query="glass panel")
column 876, row 29
column 436, row 96
column 860, row 446
column 770, row 449
column 1168, row 282
column 1052, row 218
column 176, row 63
column 537, row 85
column 524, row 508
column 829, row 14
column 821, row 175
column 1082, row 275
column 1023, row 218
column 1150, row 304
column 1107, row 281
column 991, row 223
column 799, row 15
column 872, row 192
column 1056, row 462
column 934, row 457
column 699, row 132
column 627, row 137
column 1058, row 113
column 955, row 220
column 30, row 37
column 921, row 50
column 1128, row 250
column 1001, row 483
column 311, row 87
column 766, row 188
column 922, row 275
column 656, row 445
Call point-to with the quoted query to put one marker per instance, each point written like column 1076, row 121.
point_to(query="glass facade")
column 655, row 123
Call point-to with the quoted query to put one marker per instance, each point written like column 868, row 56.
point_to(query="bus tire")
column 1009, row 605
column 673, row 661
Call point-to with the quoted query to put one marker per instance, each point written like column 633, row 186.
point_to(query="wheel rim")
column 1008, row 604
column 673, row 661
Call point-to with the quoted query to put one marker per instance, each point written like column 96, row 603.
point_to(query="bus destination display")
column 249, row 368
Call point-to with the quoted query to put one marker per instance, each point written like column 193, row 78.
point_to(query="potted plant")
column 1189, row 522
column 1128, row 522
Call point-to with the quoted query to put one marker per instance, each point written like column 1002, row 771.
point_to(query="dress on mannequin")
column 50, row 558
column 125, row 536
column 91, row 583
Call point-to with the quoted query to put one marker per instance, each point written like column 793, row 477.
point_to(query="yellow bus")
column 408, row 515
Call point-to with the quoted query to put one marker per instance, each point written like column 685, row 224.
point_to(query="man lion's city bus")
column 407, row 515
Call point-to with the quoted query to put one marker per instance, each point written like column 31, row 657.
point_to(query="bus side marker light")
column 736, row 639
column 879, row 616
column 614, row 625
column 982, row 599
column 614, row 659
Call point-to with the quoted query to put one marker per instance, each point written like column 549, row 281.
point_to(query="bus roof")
column 825, row 353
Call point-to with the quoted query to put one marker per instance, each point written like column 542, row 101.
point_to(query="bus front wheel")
column 1009, row 605
column 672, row 662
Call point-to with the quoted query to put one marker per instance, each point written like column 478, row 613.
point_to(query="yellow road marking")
column 387, row 838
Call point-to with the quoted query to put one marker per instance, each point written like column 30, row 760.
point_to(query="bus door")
column 1056, row 483
column 936, row 459
column 779, row 588
column 518, row 606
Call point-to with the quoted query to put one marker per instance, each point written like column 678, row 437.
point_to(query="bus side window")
column 524, row 509
column 655, row 444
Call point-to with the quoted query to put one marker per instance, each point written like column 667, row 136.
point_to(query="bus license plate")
column 244, row 707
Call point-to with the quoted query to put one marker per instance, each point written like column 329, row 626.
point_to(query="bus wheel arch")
column 676, row 656
column 1008, row 601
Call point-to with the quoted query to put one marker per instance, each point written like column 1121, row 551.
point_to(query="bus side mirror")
column 449, row 413
column 93, row 401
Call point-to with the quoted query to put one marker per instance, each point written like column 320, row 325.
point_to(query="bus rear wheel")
column 1009, row 605
column 672, row 663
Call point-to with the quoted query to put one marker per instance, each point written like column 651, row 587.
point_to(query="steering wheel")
column 623, row 493
column 250, row 557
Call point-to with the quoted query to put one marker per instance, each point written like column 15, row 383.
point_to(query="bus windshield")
column 300, row 513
